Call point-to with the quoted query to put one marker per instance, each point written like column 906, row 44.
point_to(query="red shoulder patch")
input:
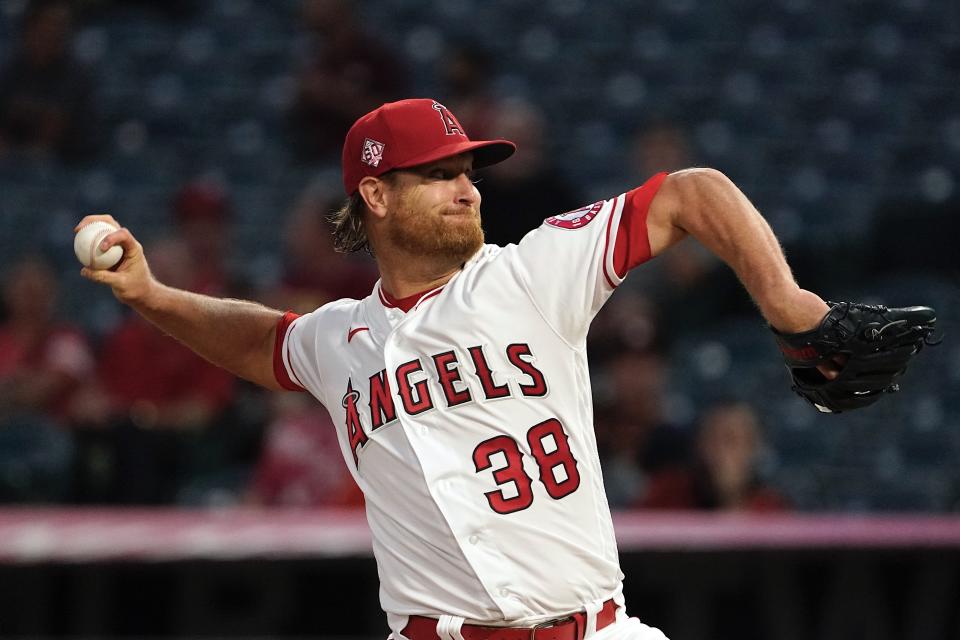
column 576, row 219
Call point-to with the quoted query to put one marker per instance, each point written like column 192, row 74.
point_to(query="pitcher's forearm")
column 237, row 335
column 232, row 334
column 709, row 207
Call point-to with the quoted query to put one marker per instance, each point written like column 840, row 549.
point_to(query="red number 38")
column 558, row 467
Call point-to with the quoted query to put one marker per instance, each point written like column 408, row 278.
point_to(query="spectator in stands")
column 634, row 438
column 518, row 197
column 630, row 321
column 313, row 272
column 689, row 285
column 724, row 474
column 202, row 213
column 46, row 97
column 659, row 145
column 301, row 464
column 153, row 401
column 349, row 73
column 42, row 360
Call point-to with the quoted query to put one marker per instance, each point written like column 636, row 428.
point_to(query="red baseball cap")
column 408, row 133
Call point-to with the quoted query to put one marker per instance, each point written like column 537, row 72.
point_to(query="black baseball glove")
column 871, row 343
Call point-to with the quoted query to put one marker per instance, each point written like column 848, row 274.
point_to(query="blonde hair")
column 349, row 232
column 349, row 229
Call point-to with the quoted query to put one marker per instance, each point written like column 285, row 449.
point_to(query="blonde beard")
column 420, row 233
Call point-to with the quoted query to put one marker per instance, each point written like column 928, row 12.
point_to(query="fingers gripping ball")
column 876, row 342
column 86, row 244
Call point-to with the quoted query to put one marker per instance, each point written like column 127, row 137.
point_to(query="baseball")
column 86, row 244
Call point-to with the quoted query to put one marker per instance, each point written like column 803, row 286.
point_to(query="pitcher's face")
column 437, row 209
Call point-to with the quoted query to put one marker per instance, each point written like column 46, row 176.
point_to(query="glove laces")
column 875, row 308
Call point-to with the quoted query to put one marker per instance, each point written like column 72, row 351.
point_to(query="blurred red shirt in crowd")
column 723, row 475
column 160, row 381
column 203, row 215
column 152, row 377
column 41, row 360
column 301, row 464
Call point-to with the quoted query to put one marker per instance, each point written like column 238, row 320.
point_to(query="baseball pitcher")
column 459, row 387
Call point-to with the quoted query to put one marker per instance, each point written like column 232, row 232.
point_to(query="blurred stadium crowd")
column 213, row 130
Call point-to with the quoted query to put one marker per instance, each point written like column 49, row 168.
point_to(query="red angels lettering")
column 423, row 401
column 448, row 376
column 417, row 397
column 490, row 389
column 515, row 353
column 382, row 410
column 450, row 124
column 354, row 430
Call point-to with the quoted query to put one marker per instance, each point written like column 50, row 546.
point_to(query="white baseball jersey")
column 467, row 421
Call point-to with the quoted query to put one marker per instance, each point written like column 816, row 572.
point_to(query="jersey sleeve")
column 573, row 262
column 283, row 370
column 297, row 353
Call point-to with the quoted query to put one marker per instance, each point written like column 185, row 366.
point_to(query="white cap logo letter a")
column 450, row 124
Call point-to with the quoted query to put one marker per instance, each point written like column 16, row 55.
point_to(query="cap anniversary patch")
column 372, row 152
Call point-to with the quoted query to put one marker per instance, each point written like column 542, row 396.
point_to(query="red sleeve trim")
column 279, row 370
column 606, row 243
column 632, row 247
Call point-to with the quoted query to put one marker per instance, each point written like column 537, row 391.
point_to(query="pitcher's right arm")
column 236, row 335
